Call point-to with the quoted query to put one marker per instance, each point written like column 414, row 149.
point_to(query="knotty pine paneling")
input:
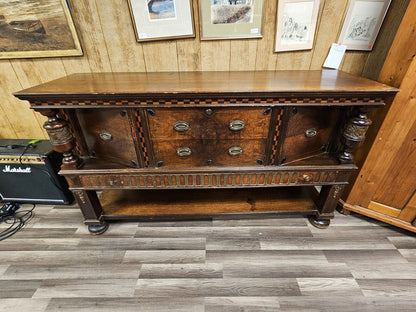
column 108, row 42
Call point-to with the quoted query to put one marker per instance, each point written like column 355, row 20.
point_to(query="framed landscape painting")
column 362, row 23
column 161, row 19
column 231, row 19
column 296, row 24
column 37, row 28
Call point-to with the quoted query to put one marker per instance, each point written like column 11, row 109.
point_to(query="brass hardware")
column 105, row 136
column 183, row 151
column 267, row 111
column 208, row 111
column 306, row 178
column 235, row 151
column 236, row 125
column 181, row 126
column 310, row 133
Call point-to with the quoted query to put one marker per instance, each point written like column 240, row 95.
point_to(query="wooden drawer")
column 308, row 131
column 108, row 136
column 208, row 123
column 209, row 152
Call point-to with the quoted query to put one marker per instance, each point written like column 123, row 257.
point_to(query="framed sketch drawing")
column 37, row 28
column 296, row 24
column 362, row 23
column 161, row 19
column 231, row 19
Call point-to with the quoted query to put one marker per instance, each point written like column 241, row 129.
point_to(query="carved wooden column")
column 353, row 135
column 60, row 137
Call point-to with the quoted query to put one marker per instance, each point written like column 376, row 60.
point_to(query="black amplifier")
column 29, row 173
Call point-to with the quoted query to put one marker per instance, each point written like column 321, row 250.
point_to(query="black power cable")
column 15, row 218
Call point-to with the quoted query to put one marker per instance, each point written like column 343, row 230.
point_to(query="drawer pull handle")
column 236, row 125
column 306, row 178
column 181, row 126
column 105, row 136
column 310, row 133
column 183, row 151
column 235, row 151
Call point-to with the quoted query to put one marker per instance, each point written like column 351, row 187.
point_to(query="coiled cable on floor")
column 11, row 215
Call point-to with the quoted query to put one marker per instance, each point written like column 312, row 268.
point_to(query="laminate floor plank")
column 266, row 256
column 18, row 288
column 212, row 287
column 403, row 242
column 164, row 256
column 322, row 286
column 221, row 263
column 388, row 287
column 329, row 243
column 187, row 270
column 287, row 270
column 24, row 304
column 82, row 271
column 109, row 304
column 224, row 232
column 61, row 257
column 387, row 270
column 238, row 304
column 365, row 256
column 147, row 243
column 69, row 288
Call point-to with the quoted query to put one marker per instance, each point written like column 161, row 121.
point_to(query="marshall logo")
column 8, row 169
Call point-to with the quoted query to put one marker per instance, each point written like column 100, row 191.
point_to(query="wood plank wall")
column 108, row 41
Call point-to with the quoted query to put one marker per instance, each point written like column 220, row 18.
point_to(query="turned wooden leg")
column 353, row 135
column 326, row 203
column 61, row 138
column 92, row 211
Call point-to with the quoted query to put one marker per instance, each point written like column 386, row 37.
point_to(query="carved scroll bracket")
column 60, row 137
column 353, row 135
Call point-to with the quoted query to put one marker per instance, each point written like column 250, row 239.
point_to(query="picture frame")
column 362, row 23
column 37, row 29
column 296, row 24
column 161, row 19
column 231, row 19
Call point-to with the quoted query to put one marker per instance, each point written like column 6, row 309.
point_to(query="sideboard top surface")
column 286, row 83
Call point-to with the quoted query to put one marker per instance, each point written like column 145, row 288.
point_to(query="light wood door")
column 386, row 185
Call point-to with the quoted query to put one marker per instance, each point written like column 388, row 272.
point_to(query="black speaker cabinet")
column 28, row 173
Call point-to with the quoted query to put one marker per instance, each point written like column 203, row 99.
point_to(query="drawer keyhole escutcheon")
column 105, row 136
column 236, row 125
column 235, row 151
column 183, row 151
column 310, row 133
column 181, row 126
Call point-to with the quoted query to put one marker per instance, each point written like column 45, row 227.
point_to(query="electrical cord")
column 9, row 214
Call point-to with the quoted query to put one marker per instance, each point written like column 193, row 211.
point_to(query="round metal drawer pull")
column 236, row 125
column 306, row 178
column 235, row 151
column 181, row 126
column 105, row 136
column 310, row 133
column 183, row 151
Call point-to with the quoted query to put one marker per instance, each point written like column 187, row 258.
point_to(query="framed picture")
column 231, row 19
column 362, row 23
column 161, row 19
column 37, row 28
column 296, row 24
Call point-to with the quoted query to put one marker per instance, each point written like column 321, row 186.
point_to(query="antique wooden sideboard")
column 206, row 131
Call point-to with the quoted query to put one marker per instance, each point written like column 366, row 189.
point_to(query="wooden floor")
column 278, row 264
